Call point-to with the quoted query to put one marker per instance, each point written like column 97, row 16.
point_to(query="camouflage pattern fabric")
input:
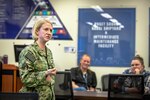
column 33, row 63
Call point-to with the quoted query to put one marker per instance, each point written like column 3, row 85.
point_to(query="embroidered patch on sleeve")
column 30, row 56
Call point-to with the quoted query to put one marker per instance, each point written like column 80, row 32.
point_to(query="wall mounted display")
column 107, row 35
column 18, row 16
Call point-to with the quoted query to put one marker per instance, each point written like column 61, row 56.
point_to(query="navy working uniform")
column 33, row 63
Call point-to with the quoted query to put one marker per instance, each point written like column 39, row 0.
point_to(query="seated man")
column 82, row 77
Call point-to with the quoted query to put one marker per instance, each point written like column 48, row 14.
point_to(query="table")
column 88, row 95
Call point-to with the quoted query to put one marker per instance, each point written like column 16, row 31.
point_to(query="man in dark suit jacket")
column 82, row 77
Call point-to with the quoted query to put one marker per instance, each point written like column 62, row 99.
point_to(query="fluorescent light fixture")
column 121, row 26
column 106, row 15
column 114, row 20
column 117, row 23
column 89, row 23
column 95, row 26
column 97, row 8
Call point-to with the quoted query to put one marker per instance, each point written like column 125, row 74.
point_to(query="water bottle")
column 5, row 59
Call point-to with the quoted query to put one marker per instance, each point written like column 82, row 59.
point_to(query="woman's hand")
column 51, row 71
column 136, row 70
column 48, row 78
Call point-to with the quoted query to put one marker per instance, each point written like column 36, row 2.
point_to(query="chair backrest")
column 104, row 80
column 1, row 65
column 63, row 86
column 146, row 97
column 17, row 50
column 18, row 96
column 119, row 93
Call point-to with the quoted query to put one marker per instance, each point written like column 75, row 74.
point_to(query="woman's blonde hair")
column 37, row 27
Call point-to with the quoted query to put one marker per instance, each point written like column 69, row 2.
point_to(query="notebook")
column 118, row 83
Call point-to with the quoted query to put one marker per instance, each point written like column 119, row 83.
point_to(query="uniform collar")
column 40, row 51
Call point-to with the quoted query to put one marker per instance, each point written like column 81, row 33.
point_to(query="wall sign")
column 18, row 16
column 107, row 35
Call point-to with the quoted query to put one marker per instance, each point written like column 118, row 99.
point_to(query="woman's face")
column 45, row 32
column 137, row 66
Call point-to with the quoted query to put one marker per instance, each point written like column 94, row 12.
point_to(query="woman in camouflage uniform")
column 36, row 66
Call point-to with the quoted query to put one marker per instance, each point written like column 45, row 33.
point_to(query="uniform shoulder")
column 28, row 53
column 28, row 48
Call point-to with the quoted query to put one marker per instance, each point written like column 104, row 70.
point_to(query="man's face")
column 85, row 62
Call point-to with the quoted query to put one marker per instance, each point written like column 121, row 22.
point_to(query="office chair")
column 1, row 65
column 104, row 80
column 146, row 96
column 17, row 50
column 18, row 96
column 119, row 93
column 63, row 86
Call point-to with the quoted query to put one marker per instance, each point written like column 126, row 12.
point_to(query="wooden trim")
column 9, row 67
column 14, row 69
